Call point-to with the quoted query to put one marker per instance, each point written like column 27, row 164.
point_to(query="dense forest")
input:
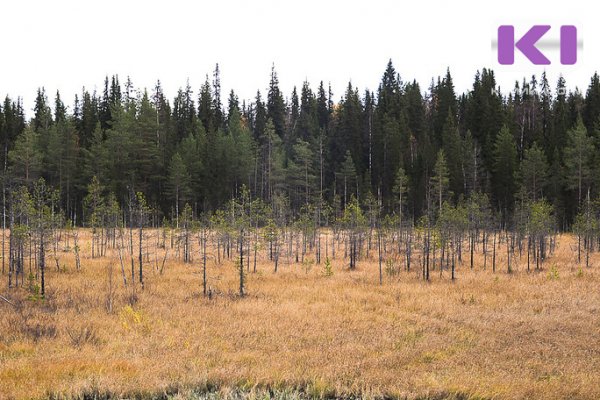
column 401, row 148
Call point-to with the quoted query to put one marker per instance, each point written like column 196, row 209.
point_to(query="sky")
column 68, row 44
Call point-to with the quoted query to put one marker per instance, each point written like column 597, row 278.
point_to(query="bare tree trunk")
column 471, row 246
column 122, row 266
column 42, row 262
column 241, row 263
column 379, row 251
column 494, row 254
column 508, row 253
column 140, row 247
column 204, row 238
column 255, row 248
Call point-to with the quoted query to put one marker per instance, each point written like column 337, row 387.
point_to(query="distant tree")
column 94, row 204
column 453, row 150
column 300, row 175
column 26, row 157
column 142, row 215
column 348, row 176
column 275, row 105
column 541, row 224
column 452, row 222
column 401, row 185
column 505, row 167
column 355, row 222
column 440, row 179
column 587, row 228
column 591, row 110
column 534, row 172
column 42, row 223
column 578, row 156
column 178, row 183
column 273, row 162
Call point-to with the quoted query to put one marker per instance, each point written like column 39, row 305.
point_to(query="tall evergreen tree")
column 591, row 110
column 26, row 157
column 440, row 180
column 276, row 105
column 505, row 167
column 578, row 158
column 534, row 172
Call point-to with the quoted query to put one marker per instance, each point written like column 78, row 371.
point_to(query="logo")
column 527, row 44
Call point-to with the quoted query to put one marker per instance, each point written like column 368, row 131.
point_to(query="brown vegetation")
column 307, row 327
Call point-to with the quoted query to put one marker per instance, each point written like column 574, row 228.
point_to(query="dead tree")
column 241, row 266
column 142, row 209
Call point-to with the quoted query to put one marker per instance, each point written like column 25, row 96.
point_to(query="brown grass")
column 524, row 335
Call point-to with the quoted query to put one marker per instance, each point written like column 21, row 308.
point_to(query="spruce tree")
column 505, row 167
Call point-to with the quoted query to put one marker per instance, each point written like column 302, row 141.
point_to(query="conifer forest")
column 402, row 150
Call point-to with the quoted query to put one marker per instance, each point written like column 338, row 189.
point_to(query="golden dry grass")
column 524, row 335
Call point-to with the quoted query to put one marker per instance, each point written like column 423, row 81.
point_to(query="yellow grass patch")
column 505, row 336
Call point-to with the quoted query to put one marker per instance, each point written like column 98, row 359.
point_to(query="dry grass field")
column 298, row 332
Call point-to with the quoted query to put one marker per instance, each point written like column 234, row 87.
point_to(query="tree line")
column 406, row 149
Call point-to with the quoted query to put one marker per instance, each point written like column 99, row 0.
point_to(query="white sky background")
column 68, row 44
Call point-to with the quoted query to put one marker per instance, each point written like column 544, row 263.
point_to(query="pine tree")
column 578, row 156
column 300, row 175
column 347, row 176
column 178, row 183
column 94, row 205
column 505, row 167
column 121, row 145
column 272, row 162
column 193, row 150
column 148, row 161
column 400, row 190
column 96, row 158
column 440, row 179
column 534, row 172
column 452, row 144
column 245, row 150
column 26, row 157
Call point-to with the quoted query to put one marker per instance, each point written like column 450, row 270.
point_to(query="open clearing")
column 487, row 335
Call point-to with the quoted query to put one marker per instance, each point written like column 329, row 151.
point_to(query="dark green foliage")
column 534, row 172
column 505, row 166
column 396, row 144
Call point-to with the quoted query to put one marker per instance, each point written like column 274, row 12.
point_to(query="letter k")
column 506, row 44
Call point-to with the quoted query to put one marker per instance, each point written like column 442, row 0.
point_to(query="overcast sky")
column 68, row 44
